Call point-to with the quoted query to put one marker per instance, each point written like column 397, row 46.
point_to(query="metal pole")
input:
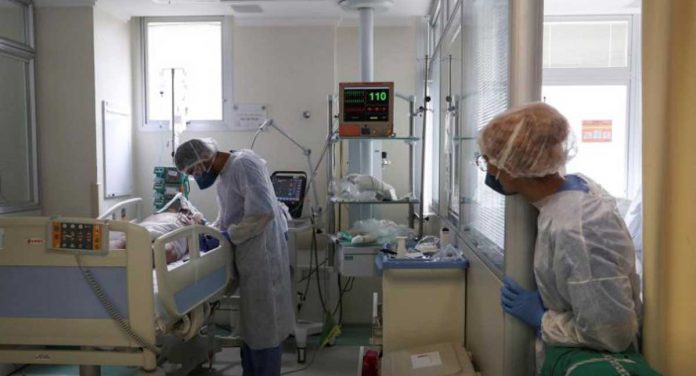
column 361, row 154
column 305, row 150
column 172, row 124
column 422, row 177
column 330, row 211
column 411, row 156
column 367, row 27
column 449, row 89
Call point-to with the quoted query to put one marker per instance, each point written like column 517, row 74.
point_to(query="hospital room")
column 347, row 187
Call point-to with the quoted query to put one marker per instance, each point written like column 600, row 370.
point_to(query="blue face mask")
column 494, row 183
column 206, row 179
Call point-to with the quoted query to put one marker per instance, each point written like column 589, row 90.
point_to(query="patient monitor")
column 79, row 236
column 289, row 187
column 367, row 109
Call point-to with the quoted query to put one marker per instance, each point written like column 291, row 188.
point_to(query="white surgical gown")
column 584, row 265
column 249, row 211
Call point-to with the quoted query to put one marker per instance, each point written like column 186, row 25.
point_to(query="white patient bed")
column 50, row 314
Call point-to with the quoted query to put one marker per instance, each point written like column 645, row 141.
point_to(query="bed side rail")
column 127, row 210
column 202, row 278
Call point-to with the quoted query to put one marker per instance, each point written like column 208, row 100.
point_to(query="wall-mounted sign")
column 596, row 131
column 248, row 116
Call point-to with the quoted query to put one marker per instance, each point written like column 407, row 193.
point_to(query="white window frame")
column 629, row 76
column 26, row 53
column 436, row 138
column 455, row 158
column 443, row 15
column 227, row 79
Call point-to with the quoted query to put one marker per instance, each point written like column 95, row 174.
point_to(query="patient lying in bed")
column 160, row 224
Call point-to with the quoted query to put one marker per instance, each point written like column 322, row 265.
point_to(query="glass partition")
column 18, row 166
column 13, row 21
column 15, row 179
column 486, row 93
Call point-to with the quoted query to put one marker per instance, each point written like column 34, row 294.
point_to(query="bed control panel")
column 81, row 236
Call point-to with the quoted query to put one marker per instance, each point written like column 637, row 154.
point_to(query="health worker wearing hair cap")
column 250, row 217
column 584, row 259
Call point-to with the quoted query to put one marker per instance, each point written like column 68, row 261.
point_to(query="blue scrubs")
column 263, row 362
column 574, row 183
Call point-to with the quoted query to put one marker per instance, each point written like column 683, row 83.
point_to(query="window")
column 190, row 53
column 18, row 162
column 486, row 84
column 451, row 88
column 585, row 44
column 589, row 77
column 13, row 21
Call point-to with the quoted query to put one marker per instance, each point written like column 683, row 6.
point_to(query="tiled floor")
column 330, row 361
column 336, row 360
column 339, row 360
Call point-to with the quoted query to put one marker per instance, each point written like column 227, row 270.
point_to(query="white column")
column 526, row 36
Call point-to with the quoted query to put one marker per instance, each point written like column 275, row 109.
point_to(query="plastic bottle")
column 370, row 366
column 401, row 249
column 444, row 237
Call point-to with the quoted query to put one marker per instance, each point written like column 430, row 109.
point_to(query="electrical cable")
column 311, row 362
column 111, row 309
column 316, row 260
column 18, row 369
column 312, row 271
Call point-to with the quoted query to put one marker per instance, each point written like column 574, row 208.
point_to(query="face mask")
column 494, row 183
column 207, row 178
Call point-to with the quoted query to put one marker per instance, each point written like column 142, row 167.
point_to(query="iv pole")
column 173, row 116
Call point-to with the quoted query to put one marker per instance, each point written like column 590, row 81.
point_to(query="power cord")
column 111, row 309
column 311, row 361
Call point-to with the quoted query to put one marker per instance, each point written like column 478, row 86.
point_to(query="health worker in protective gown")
column 587, row 305
column 250, row 217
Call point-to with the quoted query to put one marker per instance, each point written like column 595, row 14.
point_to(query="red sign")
column 596, row 131
column 35, row 241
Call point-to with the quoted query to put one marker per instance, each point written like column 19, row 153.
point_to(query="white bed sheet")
column 162, row 319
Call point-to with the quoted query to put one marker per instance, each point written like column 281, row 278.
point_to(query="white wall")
column 112, row 69
column 65, row 110
column 290, row 69
column 293, row 69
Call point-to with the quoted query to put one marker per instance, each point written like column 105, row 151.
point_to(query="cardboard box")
column 444, row 359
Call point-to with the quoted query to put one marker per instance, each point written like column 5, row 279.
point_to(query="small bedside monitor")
column 289, row 187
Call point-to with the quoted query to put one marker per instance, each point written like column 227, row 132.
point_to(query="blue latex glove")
column 226, row 235
column 207, row 242
column 523, row 304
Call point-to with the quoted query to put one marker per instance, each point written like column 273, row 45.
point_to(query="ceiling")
column 280, row 11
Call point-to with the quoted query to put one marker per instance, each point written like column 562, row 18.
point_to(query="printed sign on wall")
column 596, row 131
column 248, row 116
